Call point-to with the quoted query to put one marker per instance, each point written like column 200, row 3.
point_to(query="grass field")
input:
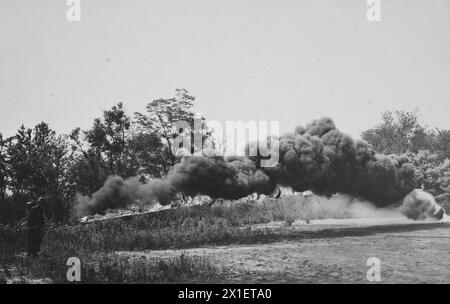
column 97, row 244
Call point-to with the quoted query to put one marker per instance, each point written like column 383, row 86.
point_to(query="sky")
column 289, row 61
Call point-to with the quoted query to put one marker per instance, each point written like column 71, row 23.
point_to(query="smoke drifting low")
column 421, row 205
column 218, row 177
column 317, row 157
column 117, row 193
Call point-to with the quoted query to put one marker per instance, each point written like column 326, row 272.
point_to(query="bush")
column 444, row 201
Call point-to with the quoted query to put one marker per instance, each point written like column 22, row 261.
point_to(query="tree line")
column 37, row 162
column 400, row 132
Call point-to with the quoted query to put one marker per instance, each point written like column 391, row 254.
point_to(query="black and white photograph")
column 251, row 143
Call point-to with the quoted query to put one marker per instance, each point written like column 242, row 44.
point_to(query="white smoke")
column 421, row 205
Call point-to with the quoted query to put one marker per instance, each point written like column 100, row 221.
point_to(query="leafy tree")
column 442, row 143
column 432, row 173
column 88, row 170
column 108, row 138
column 36, row 162
column 161, row 118
column 429, row 150
column 101, row 151
column 3, row 167
column 19, row 152
column 59, row 188
column 148, row 150
column 399, row 132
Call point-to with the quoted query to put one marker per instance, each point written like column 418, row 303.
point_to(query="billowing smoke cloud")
column 317, row 157
column 117, row 193
column 421, row 205
column 324, row 160
column 218, row 177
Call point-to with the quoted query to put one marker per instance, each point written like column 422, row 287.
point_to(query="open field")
column 409, row 253
column 258, row 241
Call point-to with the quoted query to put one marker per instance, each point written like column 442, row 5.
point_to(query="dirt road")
column 335, row 252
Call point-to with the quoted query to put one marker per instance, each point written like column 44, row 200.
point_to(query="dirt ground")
column 334, row 251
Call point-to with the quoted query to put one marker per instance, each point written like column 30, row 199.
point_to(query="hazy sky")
column 288, row 60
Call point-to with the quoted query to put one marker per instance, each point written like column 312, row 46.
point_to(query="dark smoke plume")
column 218, row 177
column 326, row 161
column 317, row 157
column 117, row 193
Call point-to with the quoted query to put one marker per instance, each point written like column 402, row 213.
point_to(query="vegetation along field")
column 261, row 241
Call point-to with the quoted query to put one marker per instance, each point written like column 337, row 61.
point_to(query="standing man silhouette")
column 35, row 223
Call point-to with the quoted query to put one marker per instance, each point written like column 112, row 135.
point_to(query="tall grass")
column 96, row 243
